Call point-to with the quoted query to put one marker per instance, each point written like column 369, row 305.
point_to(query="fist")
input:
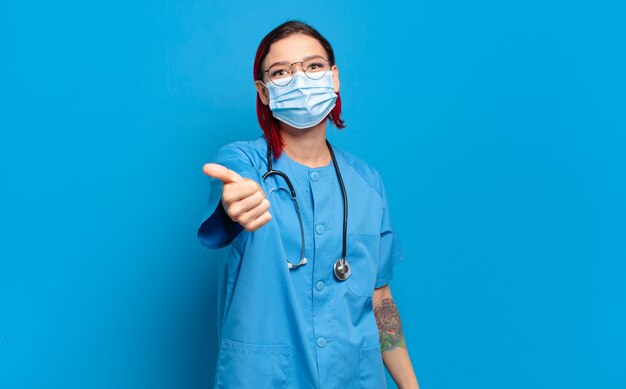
column 243, row 198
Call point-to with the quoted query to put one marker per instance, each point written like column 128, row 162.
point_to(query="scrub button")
column 321, row 342
column 319, row 229
column 319, row 286
column 315, row 176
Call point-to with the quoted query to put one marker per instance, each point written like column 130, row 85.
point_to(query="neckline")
column 301, row 165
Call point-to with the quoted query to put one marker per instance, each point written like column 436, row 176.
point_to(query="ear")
column 262, row 91
column 335, row 71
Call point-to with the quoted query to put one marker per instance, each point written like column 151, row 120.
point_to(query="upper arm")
column 381, row 293
column 391, row 250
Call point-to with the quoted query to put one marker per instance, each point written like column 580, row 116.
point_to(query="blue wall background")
column 500, row 127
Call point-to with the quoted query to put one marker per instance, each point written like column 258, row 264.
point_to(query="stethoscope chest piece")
column 342, row 269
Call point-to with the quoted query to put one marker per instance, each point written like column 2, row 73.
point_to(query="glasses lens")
column 280, row 74
column 316, row 68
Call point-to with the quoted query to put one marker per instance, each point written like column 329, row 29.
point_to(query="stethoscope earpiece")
column 290, row 265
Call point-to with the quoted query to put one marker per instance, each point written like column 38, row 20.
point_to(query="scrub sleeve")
column 391, row 251
column 217, row 229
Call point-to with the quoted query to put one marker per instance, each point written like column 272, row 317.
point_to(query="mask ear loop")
column 266, row 88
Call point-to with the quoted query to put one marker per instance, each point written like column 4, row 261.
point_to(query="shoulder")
column 245, row 151
column 362, row 168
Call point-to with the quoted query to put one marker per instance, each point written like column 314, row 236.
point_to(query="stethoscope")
column 341, row 268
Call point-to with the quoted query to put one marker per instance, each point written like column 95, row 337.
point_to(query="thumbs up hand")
column 243, row 198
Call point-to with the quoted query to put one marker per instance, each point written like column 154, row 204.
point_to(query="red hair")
column 268, row 123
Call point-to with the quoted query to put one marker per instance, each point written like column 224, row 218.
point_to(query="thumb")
column 221, row 173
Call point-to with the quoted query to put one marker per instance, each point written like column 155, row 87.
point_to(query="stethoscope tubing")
column 341, row 263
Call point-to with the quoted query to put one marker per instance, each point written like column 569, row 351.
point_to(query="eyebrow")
column 303, row 59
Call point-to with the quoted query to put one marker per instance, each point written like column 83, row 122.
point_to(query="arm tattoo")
column 389, row 325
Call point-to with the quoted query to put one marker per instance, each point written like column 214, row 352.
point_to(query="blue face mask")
column 304, row 102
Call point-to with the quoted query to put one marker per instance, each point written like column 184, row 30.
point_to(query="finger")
column 221, row 173
column 237, row 208
column 249, row 216
column 237, row 191
column 259, row 222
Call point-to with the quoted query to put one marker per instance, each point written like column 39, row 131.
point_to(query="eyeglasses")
column 281, row 73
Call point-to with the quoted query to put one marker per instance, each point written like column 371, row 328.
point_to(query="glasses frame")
column 292, row 72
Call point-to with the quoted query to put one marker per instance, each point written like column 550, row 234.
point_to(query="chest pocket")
column 362, row 253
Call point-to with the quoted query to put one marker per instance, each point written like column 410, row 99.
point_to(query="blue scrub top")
column 301, row 328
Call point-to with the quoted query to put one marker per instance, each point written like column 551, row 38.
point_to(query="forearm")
column 392, row 343
column 400, row 368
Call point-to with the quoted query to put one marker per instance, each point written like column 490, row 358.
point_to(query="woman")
column 305, row 300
